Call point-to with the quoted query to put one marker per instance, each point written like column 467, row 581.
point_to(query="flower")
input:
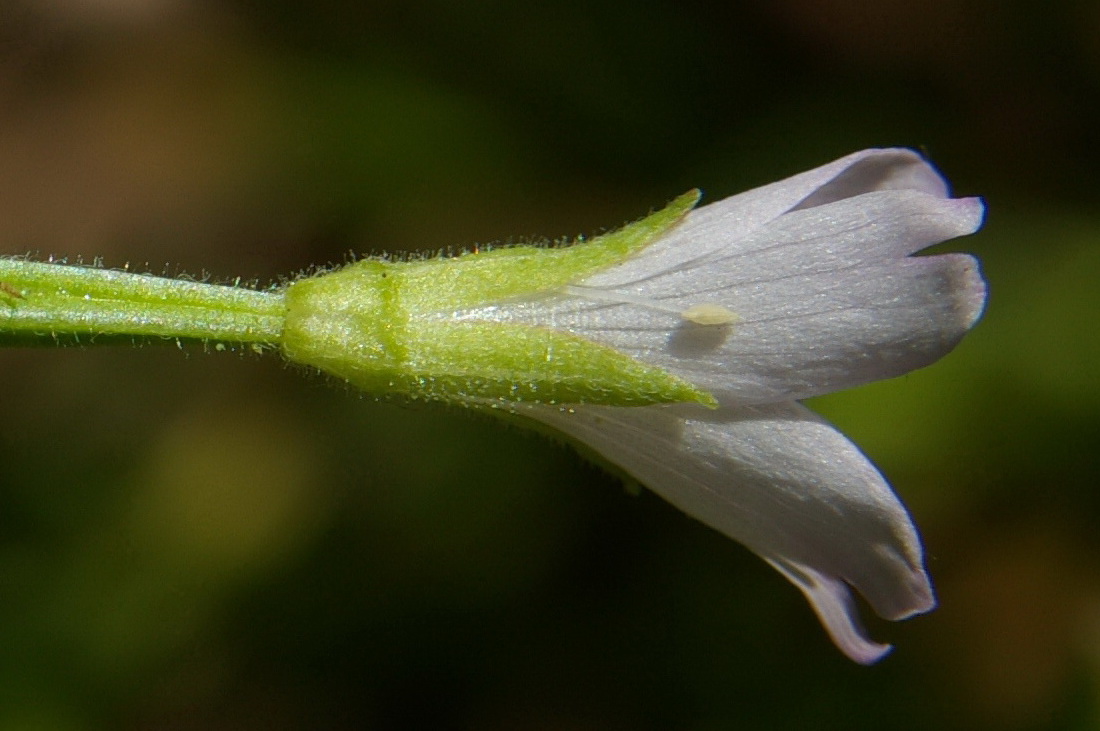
column 796, row 289
column 678, row 349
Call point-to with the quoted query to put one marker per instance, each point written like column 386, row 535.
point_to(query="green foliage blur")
column 212, row 541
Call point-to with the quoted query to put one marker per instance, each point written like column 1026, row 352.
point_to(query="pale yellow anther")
column 709, row 314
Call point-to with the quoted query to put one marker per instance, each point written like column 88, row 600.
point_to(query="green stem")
column 42, row 302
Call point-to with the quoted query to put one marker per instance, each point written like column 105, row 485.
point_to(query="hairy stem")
column 57, row 302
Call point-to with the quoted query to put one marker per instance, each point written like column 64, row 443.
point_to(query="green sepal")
column 394, row 327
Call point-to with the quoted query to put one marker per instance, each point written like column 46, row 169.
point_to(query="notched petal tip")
column 975, row 293
column 967, row 287
column 949, row 218
column 971, row 213
column 834, row 605
column 898, row 589
column 909, row 593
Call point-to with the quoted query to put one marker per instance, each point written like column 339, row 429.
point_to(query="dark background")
column 195, row 541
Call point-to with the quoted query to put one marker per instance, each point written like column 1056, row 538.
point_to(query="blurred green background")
column 195, row 541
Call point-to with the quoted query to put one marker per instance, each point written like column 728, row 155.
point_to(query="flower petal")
column 879, row 169
column 783, row 482
column 869, row 227
column 805, row 335
column 835, row 608
column 824, row 299
column 720, row 224
column 860, row 172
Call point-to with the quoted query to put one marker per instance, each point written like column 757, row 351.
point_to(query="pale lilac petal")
column 870, row 227
column 721, row 224
column 805, row 335
column 882, row 169
column 783, row 482
column 825, row 299
column 860, row 172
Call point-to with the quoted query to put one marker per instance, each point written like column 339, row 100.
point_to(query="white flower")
column 788, row 291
